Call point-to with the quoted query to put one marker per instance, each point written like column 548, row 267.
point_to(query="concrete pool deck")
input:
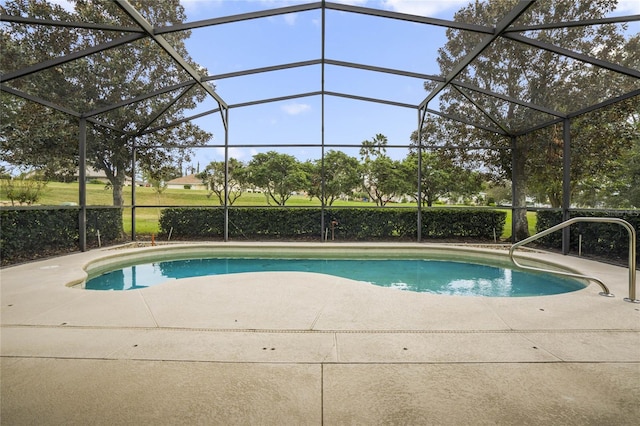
column 291, row 348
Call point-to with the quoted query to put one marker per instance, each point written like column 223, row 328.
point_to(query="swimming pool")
column 436, row 276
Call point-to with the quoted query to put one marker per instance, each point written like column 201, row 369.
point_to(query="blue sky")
column 297, row 37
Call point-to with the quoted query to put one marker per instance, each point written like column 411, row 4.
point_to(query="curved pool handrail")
column 605, row 289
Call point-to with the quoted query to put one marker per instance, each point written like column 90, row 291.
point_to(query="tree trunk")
column 555, row 199
column 118, row 197
column 519, row 194
column 118, row 184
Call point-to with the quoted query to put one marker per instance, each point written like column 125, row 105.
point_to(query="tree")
column 34, row 135
column 213, row 176
column 158, row 178
column 600, row 142
column 631, row 190
column 440, row 177
column 622, row 187
column 384, row 179
column 29, row 130
column 279, row 175
column 540, row 77
column 341, row 176
column 381, row 177
column 375, row 147
column 498, row 192
column 23, row 189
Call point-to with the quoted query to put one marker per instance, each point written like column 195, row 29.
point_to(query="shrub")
column 30, row 234
column 189, row 223
column 364, row 224
column 22, row 190
column 607, row 240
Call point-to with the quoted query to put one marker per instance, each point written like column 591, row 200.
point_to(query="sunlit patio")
column 299, row 348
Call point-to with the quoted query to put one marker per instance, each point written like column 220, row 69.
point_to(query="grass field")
column 57, row 193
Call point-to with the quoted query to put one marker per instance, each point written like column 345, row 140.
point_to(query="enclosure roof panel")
column 318, row 56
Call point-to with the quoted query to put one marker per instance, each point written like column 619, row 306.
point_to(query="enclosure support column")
column 322, row 171
column 421, row 117
column 514, row 184
column 226, row 174
column 82, row 184
column 566, row 183
column 133, row 191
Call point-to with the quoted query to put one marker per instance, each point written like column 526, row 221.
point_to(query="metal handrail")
column 605, row 289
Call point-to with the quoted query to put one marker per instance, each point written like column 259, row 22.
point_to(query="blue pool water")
column 428, row 276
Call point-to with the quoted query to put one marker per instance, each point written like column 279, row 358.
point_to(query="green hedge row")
column 607, row 240
column 29, row 234
column 351, row 223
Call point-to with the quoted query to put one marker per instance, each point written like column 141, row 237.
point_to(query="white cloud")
column 352, row 2
column 429, row 8
column 290, row 18
column 295, row 108
column 628, row 7
column 194, row 8
column 415, row 7
column 237, row 153
column 65, row 4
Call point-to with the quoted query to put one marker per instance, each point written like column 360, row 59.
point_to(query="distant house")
column 186, row 182
column 91, row 175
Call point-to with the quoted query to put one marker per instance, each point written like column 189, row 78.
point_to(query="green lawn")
column 147, row 218
column 531, row 219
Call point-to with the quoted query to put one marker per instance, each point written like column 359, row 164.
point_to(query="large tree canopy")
column 382, row 178
column 278, row 175
column 235, row 182
column 336, row 176
column 556, row 82
column 32, row 135
column 525, row 71
column 440, row 177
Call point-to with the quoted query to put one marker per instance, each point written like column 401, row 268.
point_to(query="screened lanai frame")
column 506, row 29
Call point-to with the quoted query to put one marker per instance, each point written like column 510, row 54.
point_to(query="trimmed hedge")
column 607, row 240
column 29, row 234
column 364, row 224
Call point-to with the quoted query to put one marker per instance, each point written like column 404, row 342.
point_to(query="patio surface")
column 290, row 348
